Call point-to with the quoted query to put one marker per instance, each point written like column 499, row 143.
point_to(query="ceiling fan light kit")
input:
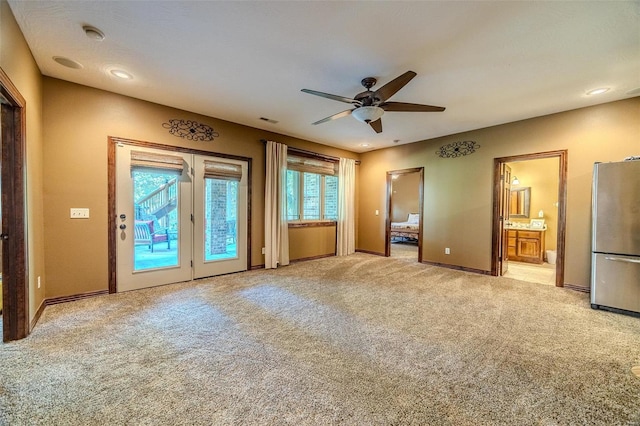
column 367, row 114
column 370, row 105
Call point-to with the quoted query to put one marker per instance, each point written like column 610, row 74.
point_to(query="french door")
column 180, row 216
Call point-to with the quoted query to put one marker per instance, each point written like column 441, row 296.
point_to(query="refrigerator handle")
column 620, row 259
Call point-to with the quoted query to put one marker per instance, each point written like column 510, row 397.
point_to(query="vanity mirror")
column 520, row 202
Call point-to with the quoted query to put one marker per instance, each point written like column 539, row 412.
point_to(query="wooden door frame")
column 15, row 279
column 112, row 221
column 562, row 208
column 503, row 205
column 387, row 237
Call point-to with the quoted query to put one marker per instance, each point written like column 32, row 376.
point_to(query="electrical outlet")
column 447, row 250
column 79, row 213
column 262, row 250
column 377, row 212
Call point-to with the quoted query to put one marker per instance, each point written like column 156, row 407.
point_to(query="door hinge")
column 191, row 263
column 191, row 217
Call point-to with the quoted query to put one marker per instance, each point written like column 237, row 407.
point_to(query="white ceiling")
column 487, row 62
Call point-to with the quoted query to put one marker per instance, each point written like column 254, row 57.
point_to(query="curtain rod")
column 312, row 154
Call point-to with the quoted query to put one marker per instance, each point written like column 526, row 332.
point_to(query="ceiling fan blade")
column 376, row 125
column 389, row 89
column 403, row 106
column 330, row 96
column 334, row 116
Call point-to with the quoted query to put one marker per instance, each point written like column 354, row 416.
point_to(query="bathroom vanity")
column 526, row 245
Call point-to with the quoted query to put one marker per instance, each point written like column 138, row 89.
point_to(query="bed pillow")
column 413, row 218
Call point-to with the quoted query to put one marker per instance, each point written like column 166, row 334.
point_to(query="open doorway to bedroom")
column 404, row 214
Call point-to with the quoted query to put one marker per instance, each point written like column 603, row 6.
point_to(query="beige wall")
column 305, row 243
column 458, row 192
column 542, row 177
column 77, row 122
column 18, row 63
column 405, row 196
column 69, row 169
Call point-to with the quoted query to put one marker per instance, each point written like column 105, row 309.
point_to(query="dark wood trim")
column 174, row 148
column 254, row 267
column 112, row 141
column 15, row 271
column 387, row 220
column 458, row 268
column 64, row 299
column 562, row 207
column 562, row 219
column 304, row 259
column 375, row 253
column 311, row 154
column 311, row 224
column 10, row 91
column 38, row 314
column 495, row 233
column 111, row 215
column 579, row 288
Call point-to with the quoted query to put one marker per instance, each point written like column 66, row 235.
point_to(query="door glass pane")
column 220, row 219
column 155, row 198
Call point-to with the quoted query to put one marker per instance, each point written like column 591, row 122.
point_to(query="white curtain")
column 276, row 230
column 346, row 239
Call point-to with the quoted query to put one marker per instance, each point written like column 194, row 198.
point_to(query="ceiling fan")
column 370, row 105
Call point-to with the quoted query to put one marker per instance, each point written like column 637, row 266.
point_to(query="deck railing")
column 158, row 203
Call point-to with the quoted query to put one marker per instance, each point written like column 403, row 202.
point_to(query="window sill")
column 312, row 224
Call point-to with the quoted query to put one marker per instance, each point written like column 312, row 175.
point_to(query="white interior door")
column 153, row 204
column 220, row 216
column 173, row 225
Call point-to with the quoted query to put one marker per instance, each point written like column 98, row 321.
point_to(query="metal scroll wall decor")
column 190, row 130
column 457, row 149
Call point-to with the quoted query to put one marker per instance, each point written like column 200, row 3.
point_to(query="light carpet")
column 351, row 340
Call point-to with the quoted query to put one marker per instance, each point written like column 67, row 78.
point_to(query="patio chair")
column 145, row 235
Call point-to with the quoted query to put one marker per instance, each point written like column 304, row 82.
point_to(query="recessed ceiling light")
column 269, row 120
column 365, row 145
column 93, row 33
column 69, row 63
column 598, row 91
column 396, row 140
column 122, row 74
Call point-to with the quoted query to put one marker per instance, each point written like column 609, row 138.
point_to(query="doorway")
column 178, row 214
column 403, row 235
column 15, row 287
column 529, row 219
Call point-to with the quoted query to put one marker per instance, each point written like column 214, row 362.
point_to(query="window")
column 312, row 190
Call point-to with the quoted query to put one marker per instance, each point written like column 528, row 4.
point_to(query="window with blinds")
column 312, row 189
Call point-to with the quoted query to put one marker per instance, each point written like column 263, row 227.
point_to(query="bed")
column 406, row 231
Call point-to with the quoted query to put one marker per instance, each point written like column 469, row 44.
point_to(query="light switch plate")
column 79, row 213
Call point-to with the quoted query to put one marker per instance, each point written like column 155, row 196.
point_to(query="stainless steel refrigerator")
column 615, row 261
